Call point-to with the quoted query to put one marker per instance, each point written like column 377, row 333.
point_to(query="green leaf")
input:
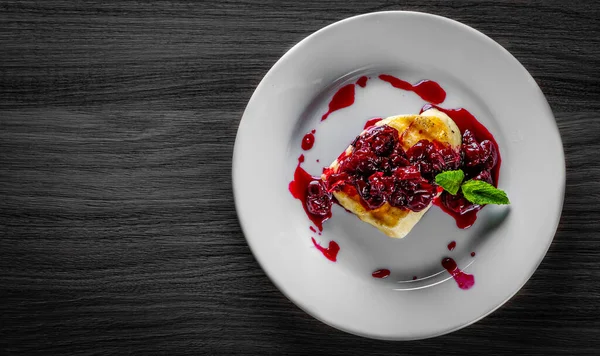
column 480, row 192
column 450, row 180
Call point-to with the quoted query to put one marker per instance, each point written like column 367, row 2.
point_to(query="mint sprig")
column 450, row 180
column 480, row 192
column 475, row 191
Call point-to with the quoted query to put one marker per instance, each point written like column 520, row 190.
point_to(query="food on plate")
column 395, row 170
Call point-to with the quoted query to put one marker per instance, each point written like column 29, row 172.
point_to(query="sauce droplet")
column 362, row 81
column 451, row 245
column 341, row 99
column 414, row 278
column 372, row 122
column 428, row 90
column 464, row 280
column 308, row 141
column 313, row 229
column 472, row 254
column 330, row 252
column 381, row 273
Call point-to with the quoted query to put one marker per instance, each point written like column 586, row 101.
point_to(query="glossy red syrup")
column 313, row 229
column 308, row 141
column 362, row 81
column 299, row 186
column 428, row 90
column 464, row 280
column 472, row 254
column 381, row 273
column 330, row 252
column 462, row 221
column 372, row 122
column 451, row 245
column 341, row 99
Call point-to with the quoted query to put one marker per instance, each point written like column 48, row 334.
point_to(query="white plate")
column 477, row 74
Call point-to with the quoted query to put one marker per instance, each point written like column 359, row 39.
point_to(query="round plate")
column 477, row 74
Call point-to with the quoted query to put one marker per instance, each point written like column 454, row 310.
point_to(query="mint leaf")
column 480, row 192
column 450, row 180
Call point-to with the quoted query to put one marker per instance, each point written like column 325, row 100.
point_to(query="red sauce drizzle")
column 451, row 245
column 472, row 254
column 372, row 122
column 428, row 90
column 362, row 81
column 330, row 252
column 464, row 280
column 308, row 141
column 313, row 229
column 341, row 99
column 298, row 188
column 381, row 273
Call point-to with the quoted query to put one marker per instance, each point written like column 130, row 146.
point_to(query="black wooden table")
column 118, row 232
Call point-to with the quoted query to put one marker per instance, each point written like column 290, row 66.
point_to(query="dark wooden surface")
column 118, row 229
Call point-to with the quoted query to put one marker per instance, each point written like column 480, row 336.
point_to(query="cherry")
column 378, row 186
column 472, row 152
column 468, row 137
column 451, row 158
column 384, row 164
column 407, row 173
column 398, row 159
column 458, row 203
column 318, row 199
column 485, row 176
column 437, row 161
column 490, row 154
column 418, row 151
column 334, row 180
column 380, row 139
column 421, row 197
column 398, row 199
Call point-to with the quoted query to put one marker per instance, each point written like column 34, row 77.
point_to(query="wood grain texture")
column 118, row 233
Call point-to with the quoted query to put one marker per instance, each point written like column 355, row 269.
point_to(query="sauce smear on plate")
column 330, row 252
column 428, row 90
column 343, row 98
column 362, row 81
column 464, row 280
